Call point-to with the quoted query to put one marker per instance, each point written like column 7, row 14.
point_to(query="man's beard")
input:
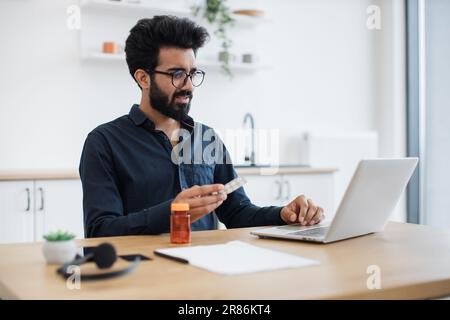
column 160, row 101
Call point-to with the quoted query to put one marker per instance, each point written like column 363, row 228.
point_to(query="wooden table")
column 414, row 262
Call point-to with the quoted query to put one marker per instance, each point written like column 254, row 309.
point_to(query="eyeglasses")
column 179, row 77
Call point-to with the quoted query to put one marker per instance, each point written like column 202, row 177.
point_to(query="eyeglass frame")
column 171, row 74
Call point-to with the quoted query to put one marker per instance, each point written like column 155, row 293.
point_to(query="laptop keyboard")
column 316, row 232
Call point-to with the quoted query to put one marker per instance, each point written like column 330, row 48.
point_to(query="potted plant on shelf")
column 59, row 247
column 218, row 13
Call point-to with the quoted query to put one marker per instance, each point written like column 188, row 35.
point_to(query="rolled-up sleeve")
column 102, row 204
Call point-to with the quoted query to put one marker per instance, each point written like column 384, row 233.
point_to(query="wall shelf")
column 122, row 6
column 105, row 20
column 151, row 10
column 100, row 56
column 202, row 63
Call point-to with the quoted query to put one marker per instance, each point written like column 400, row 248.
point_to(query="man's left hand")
column 302, row 210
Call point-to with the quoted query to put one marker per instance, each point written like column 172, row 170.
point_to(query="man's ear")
column 142, row 78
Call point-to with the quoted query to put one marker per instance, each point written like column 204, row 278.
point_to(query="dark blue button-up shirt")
column 131, row 173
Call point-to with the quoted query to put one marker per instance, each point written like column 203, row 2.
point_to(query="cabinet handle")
column 278, row 183
column 28, row 199
column 288, row 185
column 41, row 191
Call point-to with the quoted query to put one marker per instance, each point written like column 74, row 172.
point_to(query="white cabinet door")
column 318, row 187
column 264, row 190
column 59, row 207
column 16, row 211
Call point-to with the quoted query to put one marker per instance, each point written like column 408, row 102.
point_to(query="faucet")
column 251, row 157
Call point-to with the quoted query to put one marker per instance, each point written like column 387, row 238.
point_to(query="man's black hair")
column 149, row 35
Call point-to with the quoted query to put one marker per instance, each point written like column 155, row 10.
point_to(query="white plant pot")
column 59, row 252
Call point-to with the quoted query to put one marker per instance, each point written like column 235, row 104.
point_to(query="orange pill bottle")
column 180, row 223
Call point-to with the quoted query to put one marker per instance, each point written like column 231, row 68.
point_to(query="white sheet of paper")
column 237, row 257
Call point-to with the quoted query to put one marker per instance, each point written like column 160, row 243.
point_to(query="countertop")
column 67, row 174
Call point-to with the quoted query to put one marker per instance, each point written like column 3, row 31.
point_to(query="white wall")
column 50, row 100
column 327, row 72
column 320, row 77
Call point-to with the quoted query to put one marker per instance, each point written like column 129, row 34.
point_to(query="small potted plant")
column 59, row 247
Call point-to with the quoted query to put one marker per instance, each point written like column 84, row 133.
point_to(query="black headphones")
column 104, row 256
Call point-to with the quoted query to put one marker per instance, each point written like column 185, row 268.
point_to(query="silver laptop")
column 369, row 200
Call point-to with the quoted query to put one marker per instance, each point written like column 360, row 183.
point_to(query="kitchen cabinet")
column 318, row 187
column 16, row 211
column 264, row 190
column 37, row 202
column 31, row 208
column 282, row 188
column 59, row 206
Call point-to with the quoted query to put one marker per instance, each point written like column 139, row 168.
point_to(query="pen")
column 171, row 257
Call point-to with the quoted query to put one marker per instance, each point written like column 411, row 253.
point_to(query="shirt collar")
column 139, row 118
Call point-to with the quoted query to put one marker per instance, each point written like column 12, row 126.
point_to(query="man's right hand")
column 201, row 199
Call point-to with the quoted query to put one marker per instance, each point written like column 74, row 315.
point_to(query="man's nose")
column 188, row 85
